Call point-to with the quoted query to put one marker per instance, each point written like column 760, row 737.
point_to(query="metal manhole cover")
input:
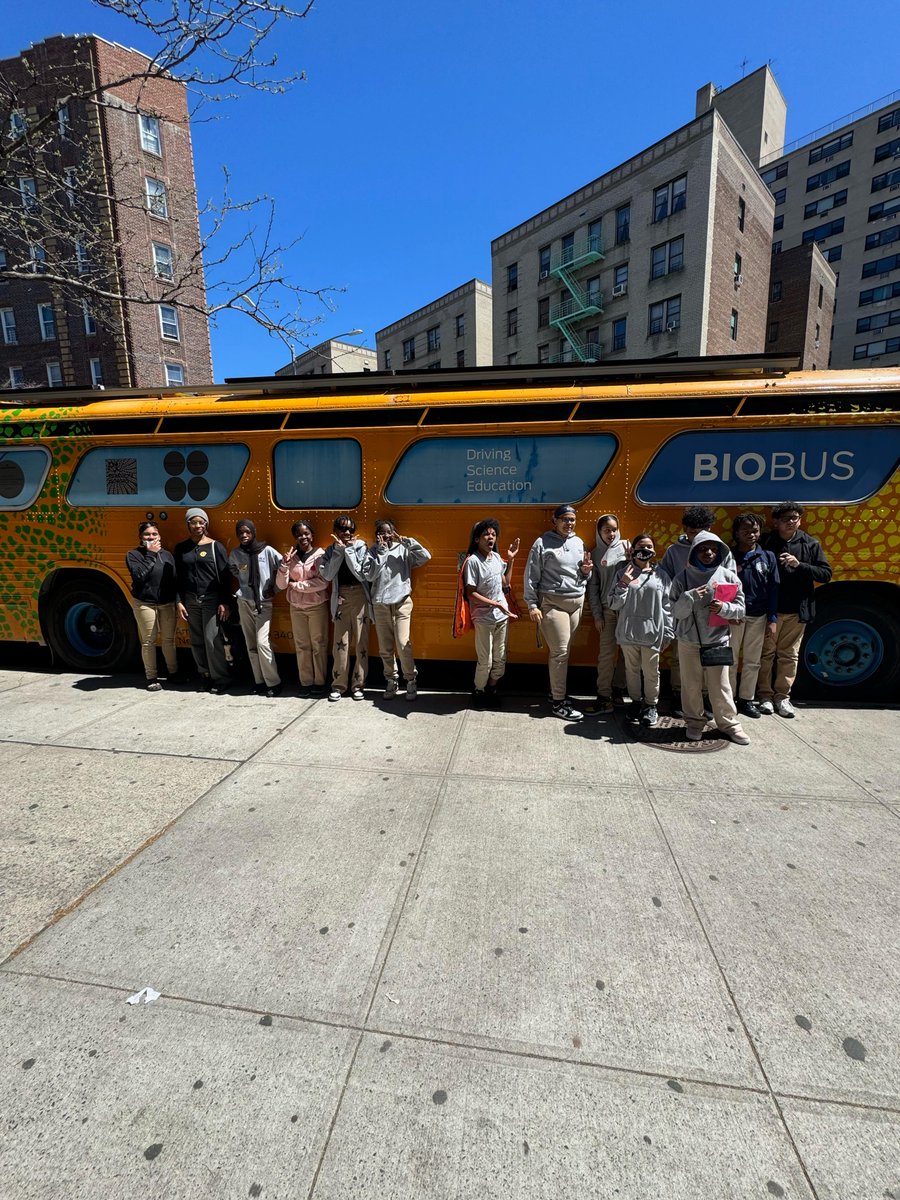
column 670, row 734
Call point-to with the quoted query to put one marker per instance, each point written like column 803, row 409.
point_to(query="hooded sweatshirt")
column 554, row 568
column 607, row 560
column 352, row 557
column 675, row 558
column 645, row 618
column 691, row 612
column 305, row 586
column 389, row 571
column 268, row 560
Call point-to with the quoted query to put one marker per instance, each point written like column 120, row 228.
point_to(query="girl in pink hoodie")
column 307, row 595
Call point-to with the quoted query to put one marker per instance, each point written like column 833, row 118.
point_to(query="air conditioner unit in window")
column 544, row 274
column 620, row 289
column 671, row 327
column 738, row 280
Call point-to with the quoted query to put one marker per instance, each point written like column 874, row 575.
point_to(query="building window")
column 433, row 339
column 776, row 247
column 833, row 254
column 96, row 372
column 90, row 325
column 512, row 359
column 826, row 204
column 47, row 320
column 567, row 248
column 664, row 316
column 620, row 276
column 889, row 120
column 16, row 377
column 881, row 266
column 163, row 266
column 821, row 296
column 773, row 173
column 544, row 353
column 17, row 123
column 738, row 261
column 881, row 321
column 884, row 238
column 666, row 258
column 887, row 150
column 779, row 196
column 591, row 347
column 889, row 179
column 8, row 325
column 168, row 323
column 543, row 312
column 670, row 198
column 835, row 146
column 544, row 262
column 38, row 258
column 595, row 241
column 150, row 139
column 69, row 177
column 772, row 335
column 619, row 329
column 623, row 224
column 885, row 209
column 461, row 325
column 409, row 350
column 775, row 291
column 887, row 291
column 512, row 322
column 829, row 176
column 2, row 264
column 593, row 295
column 512, row 277
column 63, row 121
column 174, row 374
column 28, row 193
column 778, row 223
column 387, row 360
column 734, row 324
column 821, row 232
column 742, row 213
column 157, row 199
column 876, row 349
column 54, row 374
column 460, row 358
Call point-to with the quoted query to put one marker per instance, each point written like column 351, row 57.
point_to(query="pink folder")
column 726, row 592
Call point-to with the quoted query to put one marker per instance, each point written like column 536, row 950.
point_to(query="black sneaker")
column 274, row 690
column 650, row 717
column 677, row 710
column 748, row 708
column 479, row 699
column 565, row 710
column 492, row 697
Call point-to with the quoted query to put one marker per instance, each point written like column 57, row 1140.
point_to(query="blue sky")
column 425, row 130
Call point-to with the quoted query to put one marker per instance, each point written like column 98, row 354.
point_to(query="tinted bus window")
column 22, row 475
column 148, row 476
column 501, row 470
column 324, row 473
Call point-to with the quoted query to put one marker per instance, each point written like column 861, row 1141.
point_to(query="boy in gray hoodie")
column 640, row 596
column 693, row 599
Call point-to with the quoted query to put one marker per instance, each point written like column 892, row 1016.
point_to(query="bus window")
column 837, row 465
column 22, row 475
column 501, row 470
column 318, row 473
column 148, row 476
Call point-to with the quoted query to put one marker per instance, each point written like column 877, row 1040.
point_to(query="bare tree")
column 73, row 193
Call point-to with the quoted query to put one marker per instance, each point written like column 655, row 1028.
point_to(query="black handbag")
column 719, row 654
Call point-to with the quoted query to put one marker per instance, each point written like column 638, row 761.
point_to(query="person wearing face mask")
column 640, row 596
column 342, row 563
column 201, row 564
column 388, row 569
column 154, row 588
column 307, row 593
column 608, row 555
column 702, row 630
column 556, row 575
column 254, row 565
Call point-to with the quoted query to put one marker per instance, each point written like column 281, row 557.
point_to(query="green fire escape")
column 580, row 303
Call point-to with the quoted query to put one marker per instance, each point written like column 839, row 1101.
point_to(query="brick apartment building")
column 99, row 191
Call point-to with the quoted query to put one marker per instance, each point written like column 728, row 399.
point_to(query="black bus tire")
column 850, row 651
column 89, row 626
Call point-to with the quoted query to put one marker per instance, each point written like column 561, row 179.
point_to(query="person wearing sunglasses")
column 556, row 575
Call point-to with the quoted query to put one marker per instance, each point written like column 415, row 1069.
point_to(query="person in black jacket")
column 204, row 599
column 801, row 565
column 154, row 592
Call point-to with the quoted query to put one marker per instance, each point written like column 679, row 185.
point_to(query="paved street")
column 417, row 951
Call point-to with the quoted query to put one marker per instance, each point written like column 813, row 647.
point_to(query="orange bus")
column 435, row 451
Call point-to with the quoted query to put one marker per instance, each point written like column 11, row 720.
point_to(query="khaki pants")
column 392, row 627
column 255, row 628
column 694, row 677
column 152, row 619
column 749, row 636
column 351, row 627
column 782, row 651
column 561, row 619
column 642, row 659
column 610, row 664
column 490, row 646
column 310, row 629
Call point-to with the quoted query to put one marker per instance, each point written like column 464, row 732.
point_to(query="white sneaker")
column 766, row 707
column 334, row 695
column 738, row 737
column 784, row 708
column 390, row 692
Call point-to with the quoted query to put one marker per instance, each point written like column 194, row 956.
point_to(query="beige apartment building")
column 839, row 188
column 332, row 357
column 452, row 331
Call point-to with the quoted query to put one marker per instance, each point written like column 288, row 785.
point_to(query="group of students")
column 718, row 605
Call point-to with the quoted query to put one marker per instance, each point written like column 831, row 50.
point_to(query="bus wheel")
column 850, row 651
column 89, row 626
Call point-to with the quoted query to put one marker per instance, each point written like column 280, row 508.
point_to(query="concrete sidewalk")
column 412, row 950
